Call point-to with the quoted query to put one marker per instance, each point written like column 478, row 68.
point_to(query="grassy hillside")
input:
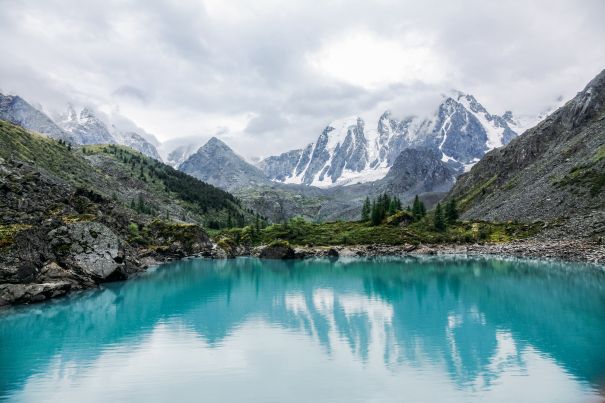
column 149, row 189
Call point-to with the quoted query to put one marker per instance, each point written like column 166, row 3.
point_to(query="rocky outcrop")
column 45, row 262
column 90, row 248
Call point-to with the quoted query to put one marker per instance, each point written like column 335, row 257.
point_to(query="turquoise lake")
column 428, row 329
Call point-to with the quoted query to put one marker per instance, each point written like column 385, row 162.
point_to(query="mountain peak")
column 216, row 141
column 87, row 113
column 216, row 144
column 216, row 163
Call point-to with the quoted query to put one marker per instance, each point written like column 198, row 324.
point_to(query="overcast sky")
column 268, row 75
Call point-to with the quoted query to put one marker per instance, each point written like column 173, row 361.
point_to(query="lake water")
column 366, row 330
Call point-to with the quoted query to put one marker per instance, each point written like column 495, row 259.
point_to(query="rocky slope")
column 73, row 218
column 553, row 172
column 349, row 152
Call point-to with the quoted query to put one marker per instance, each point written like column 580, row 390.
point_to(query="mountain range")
column 82, row 127
column 327, row 179
column 351, row 150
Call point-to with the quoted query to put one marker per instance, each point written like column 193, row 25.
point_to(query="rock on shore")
column 566, row 250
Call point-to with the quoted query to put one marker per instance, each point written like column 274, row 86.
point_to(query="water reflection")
column 469, row 325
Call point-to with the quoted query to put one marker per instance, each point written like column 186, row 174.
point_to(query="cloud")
column 361, row 58
column 274, row 73
column 131, row 93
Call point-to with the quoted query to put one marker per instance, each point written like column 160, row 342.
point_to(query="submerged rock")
column 23, row 293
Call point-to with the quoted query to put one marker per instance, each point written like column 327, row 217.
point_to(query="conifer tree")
column 366, row 210
column 439, row 218
column 451, row 211
column 375, row 214
column 392, row 207
column 417, row 209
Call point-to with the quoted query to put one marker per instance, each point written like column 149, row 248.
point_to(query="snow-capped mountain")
column 350, row 151
column 525, row 122
column 136, row 141
column 87, row 128
column 180, row 154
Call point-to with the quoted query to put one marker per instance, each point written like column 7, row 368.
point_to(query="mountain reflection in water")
column 385, row 329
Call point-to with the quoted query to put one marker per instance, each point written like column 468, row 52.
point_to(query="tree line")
column 375, row 211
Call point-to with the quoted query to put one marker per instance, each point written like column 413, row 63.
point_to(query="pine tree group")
column 377, row 210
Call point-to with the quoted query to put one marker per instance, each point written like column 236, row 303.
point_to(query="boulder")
column 89, row 247
column 278, row 250
column 332, row 253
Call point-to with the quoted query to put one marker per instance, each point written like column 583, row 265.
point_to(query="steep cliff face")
column 554, row 171
column 351, row 151
column 277, row 166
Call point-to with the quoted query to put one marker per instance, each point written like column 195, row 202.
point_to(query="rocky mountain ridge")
column 350, row 151
column 554, row 172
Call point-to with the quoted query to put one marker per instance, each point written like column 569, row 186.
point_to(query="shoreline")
column 563, row 251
